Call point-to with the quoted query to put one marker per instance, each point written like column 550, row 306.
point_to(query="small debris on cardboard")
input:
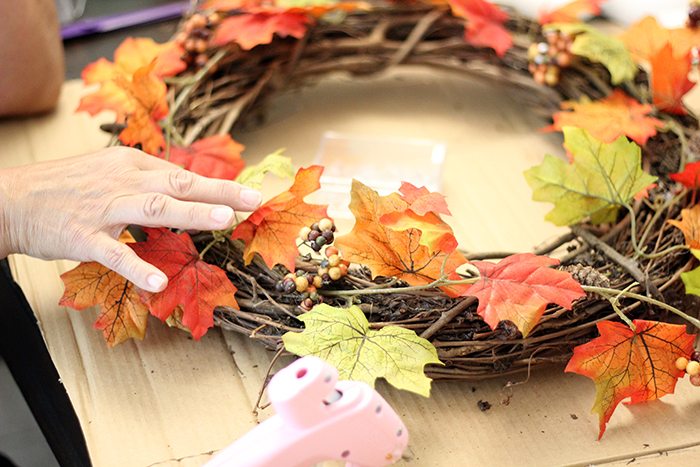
column 573, row 416
column 483, row 405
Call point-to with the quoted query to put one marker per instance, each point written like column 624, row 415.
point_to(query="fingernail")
column 222, row 214
column 251, row 198
column 156, row 282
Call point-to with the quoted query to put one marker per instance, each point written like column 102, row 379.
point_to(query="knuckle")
column 116, row 256
column 156, row 206
column 181, row 182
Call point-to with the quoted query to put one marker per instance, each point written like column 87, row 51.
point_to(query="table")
column 170, row 401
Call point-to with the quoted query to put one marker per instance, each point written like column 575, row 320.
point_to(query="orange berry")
column 539, row 77
column 343, row 268
column 200, row 45
column 322, row 271
column 198, row 21
column 330, row 251
column 318, row 281
column 681, row 363
column 333, row 260
column 693, row 368
column 563, row 59
column 189, row 44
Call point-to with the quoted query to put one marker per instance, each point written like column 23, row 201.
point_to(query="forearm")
column 4, row 204
column 31, row 54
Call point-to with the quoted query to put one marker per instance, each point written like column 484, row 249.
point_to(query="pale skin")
column 76, row 208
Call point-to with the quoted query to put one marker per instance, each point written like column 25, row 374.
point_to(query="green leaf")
column 600, row 48
column 274, row 163
column 341, row 336
column 601, row 179
column 691, row 279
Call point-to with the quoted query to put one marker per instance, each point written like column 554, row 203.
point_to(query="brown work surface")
column 171, row 401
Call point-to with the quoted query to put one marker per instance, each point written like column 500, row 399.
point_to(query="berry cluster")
column 195, row 36
column 548, row 58
column 331, row 268
column 694, row 14
column 692, row 367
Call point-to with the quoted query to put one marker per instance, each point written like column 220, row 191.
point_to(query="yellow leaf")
column 275, row 163
column 342, row 337
column 601, row 179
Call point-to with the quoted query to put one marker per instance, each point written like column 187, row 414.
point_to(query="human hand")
column 76, row 208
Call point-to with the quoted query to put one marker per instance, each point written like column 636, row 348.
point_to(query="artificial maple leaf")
column 669, row 80
column 422, row 201
column 391, row 253
column 135, row 53
column 689, row 225
column 272, row 229
column 251, row 29
column 690, row 177
column 435, row 233
column 601, row 179
column 195, row 285
column 608, row 118
column 147, row 106
column 571, row 12
column 341, row 336
column 638, row 364
column 691, row 279
column 647, row 37
column 217, row 156
column 519, row 287
column 485, row 24
column 123, row 315
column 274, row 163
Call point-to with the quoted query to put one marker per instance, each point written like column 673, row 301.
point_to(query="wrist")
column 5, row 249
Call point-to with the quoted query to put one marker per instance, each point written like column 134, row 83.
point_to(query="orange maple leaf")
column 518, row 289
column 647, row 37
column 638, row 364
column 193, row 284
column 217, row 156
column 123, row 315
column 572, row 12
column 135, row 53
column 690, row 177
column 484, row 26
column 609, row 118
column 422, row 201
column 389, row 252
column 690, row 226
column 272, row 229
column 252, row 29
column 147, row 105
column 669, row 80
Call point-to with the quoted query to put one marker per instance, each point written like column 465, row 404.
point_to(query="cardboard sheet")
column 170, row 401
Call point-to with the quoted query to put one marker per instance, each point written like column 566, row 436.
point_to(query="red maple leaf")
column 196, row 286
column 272, row 229
column 217, row 156
column 690, row 177
column 519, row 287
column 251, row 29
column 638, row 364
column 669, row 80
column 484, row 26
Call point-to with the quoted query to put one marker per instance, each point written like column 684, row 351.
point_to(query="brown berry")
column 334, row 273
column 302, row 283
column 313, row 235
column 693, row 368
column 695, row 356
column 307, row 304
column 201, row 60
column 695, row 380
column 681, row 363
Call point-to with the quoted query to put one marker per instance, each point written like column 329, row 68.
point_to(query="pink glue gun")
column 319, row 418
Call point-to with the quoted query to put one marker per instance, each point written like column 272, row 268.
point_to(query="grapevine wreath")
column 614, row 296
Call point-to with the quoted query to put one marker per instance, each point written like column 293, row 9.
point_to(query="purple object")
column 123, row 20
